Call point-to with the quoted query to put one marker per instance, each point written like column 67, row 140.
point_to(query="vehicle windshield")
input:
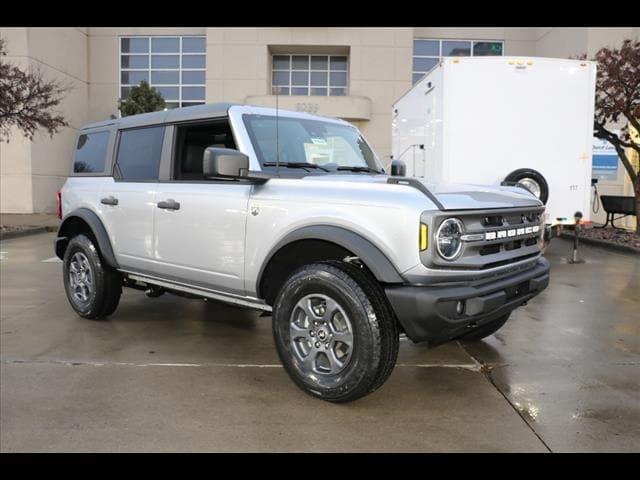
column 304, row 143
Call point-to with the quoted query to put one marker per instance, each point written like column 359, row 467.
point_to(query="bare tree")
column 28, row 100
column 618, row 99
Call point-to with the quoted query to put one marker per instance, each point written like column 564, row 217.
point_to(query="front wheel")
column 334, row 331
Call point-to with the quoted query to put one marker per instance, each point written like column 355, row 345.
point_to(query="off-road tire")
column 375, row 329
column 107, row 282
column 485, row 330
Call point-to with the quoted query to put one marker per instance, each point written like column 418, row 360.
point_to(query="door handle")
column 111, row 200
column 170, row 204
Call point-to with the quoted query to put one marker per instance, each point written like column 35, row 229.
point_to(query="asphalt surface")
column 172, row 374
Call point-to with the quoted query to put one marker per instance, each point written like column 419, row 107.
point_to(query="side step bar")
column 199, row 291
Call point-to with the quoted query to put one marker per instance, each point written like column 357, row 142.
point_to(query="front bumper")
column 428, row 313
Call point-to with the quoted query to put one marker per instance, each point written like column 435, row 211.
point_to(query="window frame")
column 309, row 71
column 439, row 58
column 116, row 173
column 170, row 172
column 149, row 69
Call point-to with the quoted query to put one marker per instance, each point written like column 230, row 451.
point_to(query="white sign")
column 604, row 159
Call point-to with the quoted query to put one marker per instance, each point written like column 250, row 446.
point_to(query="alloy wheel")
column 321, row 335
column 80, row 277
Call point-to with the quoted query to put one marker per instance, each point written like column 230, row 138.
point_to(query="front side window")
column 139, row 152
column 91, row 151
column 174, row 66
column 326, row 144
column 428, row 52
column 309, row 75
column 191, row 142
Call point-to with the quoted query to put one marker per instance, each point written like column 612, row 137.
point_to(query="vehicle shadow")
column 135, row 307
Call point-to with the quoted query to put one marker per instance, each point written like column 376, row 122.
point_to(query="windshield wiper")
column 360, row 169
column 295, row 165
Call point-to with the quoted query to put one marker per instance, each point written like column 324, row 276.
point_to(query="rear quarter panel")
column 83, row 192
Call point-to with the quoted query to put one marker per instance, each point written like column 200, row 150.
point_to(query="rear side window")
column 139, row 153
column 91, row 152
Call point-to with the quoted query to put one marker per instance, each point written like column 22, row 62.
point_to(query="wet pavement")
column 172, row 374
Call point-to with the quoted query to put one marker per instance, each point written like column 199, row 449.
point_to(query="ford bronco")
column 293, row 214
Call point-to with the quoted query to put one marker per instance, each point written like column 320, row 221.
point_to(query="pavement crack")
column 474, row 367
column 520, row 414
column 75, row 363
column 464, row 366
column 486, row 369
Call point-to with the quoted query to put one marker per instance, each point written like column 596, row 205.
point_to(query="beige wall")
column 103, row 65
column 380, row 60
column 238, row 70
column 517, row 41
column 33, row 171
column 15, row 156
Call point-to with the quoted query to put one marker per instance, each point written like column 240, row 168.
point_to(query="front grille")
column 489, row 250
column 492, row 221
column 511, row 237
column 510, row 218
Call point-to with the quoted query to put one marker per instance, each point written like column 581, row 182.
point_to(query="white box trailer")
column 478, row 120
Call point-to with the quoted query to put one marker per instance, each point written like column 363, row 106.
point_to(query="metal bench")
column 617, row 205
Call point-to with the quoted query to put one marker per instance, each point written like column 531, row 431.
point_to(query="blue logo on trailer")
column 605, row 162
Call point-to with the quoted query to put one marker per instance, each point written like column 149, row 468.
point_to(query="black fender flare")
column 97, row 228
column 369, row 254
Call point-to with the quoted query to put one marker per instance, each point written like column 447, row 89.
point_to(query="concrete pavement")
column 172, row 374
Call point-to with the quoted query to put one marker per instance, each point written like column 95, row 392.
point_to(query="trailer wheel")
column 532, row 181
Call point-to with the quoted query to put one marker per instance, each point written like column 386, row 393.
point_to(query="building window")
column 174, row 66
column 428, row 52
column 309, row 75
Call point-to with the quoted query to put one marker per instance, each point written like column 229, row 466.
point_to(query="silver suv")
column 293, row 214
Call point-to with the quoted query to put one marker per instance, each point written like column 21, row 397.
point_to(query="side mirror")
column 224, row 162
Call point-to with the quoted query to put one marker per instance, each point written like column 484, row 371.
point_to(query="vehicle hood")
column 452, row 196
column 466, row 196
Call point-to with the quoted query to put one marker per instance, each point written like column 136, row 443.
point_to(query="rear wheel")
column 92, row 287
column 334, row 331
column 485, row 330
column 532, row 181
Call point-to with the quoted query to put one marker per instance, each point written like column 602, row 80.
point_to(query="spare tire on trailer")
column 532, row 181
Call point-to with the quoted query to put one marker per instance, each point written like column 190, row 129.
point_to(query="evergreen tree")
column 141, row 99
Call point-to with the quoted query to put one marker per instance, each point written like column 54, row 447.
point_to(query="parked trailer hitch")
column 576, row 228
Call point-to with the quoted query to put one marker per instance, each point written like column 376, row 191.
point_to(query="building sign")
column 605, row 160
column 307, row 107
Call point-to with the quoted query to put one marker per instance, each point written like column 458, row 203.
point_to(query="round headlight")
column 448, row 240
